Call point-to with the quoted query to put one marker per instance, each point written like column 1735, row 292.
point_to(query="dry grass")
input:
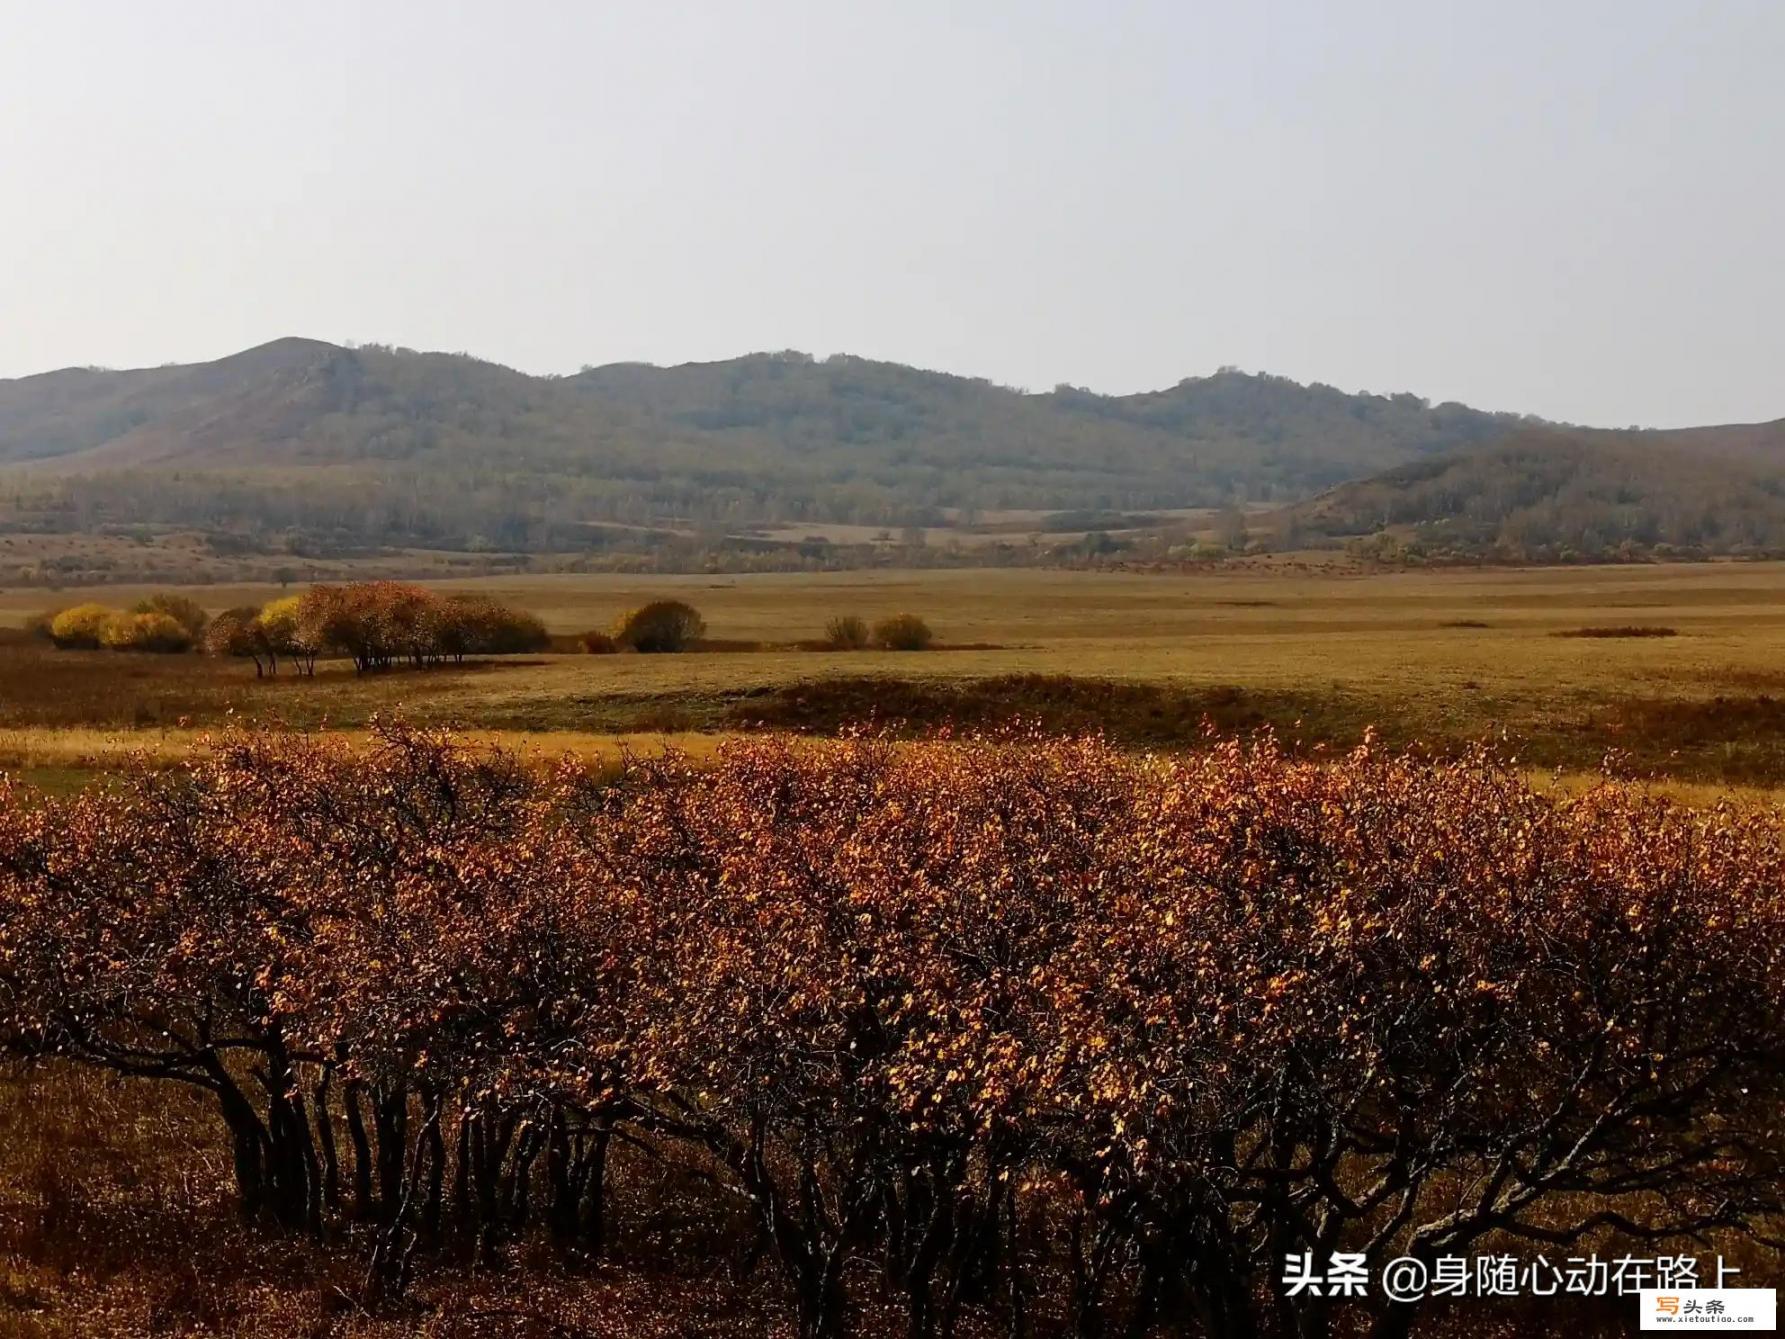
column 1697, row 794
column 1276, row 629
column 1435, row 657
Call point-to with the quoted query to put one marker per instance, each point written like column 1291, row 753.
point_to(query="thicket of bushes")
column 164, row 622
column 846, row 633
column 376, row 624
column 597, row 643
column 661, row 626
column 901, row 632
column 1006, row 1030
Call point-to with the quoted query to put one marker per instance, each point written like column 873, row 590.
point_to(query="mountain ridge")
column 368, row 443
column 299, row 344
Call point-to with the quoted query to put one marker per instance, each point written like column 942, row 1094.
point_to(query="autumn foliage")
column 661, row 626
column 376, row 625
column 903, row 632
column 1005, row 1029
column 164, row 622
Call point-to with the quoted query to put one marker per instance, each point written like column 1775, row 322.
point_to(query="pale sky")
column 1569, row 208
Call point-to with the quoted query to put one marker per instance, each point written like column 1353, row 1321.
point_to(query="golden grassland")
column 1269, row 627
column 1434, row 657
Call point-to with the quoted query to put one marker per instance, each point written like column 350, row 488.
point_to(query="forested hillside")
column 372, row 443
column 1546, row 495
column 315, row 449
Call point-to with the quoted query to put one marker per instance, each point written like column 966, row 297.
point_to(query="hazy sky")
column 1575, row 209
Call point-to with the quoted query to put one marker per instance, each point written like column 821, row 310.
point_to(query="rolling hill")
column 448, row 449
column 1541, row 495
column 327, row 448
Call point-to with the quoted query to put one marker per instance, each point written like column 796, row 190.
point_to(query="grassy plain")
column 1438, row 658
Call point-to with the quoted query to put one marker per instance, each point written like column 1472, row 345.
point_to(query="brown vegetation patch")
column 623, row 1038
column 1732, row 739
column 1057, row 704
column 1623, row 630
column 41, row 687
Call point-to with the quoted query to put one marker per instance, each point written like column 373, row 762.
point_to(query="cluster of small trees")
column 998, row 1028
column 376, row 624
column 672, row 625
column 901, row 632
column 164, row 622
